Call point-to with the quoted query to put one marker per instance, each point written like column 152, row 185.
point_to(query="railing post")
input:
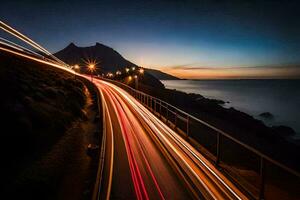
column 262, row 178
column 144, row 99
column 160, row 109
column 218, row 149
column 147, row 101
column 175, row 121
column 167, row 114
column 187, row 125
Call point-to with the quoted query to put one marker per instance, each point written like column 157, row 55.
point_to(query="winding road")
column 150, row 160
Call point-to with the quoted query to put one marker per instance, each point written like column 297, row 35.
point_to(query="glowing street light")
column 118, row 73
column 91, row 68
column 110, row 75
column 141, row 71
column 136, row 81
column 133, row 68
column 129, row 78
column 76, row 66
column 127, row 70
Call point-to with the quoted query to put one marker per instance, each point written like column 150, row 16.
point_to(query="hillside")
column 161, row 75
column 41, row 109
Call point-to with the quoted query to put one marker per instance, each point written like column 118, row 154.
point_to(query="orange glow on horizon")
column 234, row 73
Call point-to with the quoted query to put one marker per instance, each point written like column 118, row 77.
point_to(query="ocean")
column 279, row 97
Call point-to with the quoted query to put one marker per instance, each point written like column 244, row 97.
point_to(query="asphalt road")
column 151, row 161
column 140, row 170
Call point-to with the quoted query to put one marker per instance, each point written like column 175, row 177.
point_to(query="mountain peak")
column 71, row 45
column 99, row 45
column 109, row 58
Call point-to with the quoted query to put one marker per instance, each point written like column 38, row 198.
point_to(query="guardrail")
column 232, row 156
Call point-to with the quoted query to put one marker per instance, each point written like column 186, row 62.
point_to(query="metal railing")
column 230, row 155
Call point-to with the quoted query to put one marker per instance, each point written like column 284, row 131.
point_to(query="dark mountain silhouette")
column 161, row 75
column 107, row 58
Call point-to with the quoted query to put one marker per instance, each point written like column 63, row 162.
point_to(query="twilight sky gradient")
column 190, row 39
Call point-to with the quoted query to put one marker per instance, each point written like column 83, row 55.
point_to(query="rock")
column 284, row 131
column 266, row 115
column 218, row 101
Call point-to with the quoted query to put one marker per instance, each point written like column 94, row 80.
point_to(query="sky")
column 189, row 39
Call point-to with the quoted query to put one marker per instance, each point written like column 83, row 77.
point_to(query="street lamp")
column 91, row 69
column 133, row 68
column 118, row 73
column 127, row 70
column 136, row 77
column 141, row 71
column 75, row 67
column 110, row 75
column 136, row 81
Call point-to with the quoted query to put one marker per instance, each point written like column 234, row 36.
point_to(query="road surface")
column 151, row 161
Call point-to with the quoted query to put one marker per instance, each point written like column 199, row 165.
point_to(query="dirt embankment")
column 48, row 119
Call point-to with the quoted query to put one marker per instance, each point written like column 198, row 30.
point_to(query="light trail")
column 147, row 169
column 108, row 132
column 16, row 46
column 37, row 60
column 192, row 159
column 27, row 40
column 188, row 147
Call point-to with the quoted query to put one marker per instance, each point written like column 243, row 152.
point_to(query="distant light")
column 135, row 76
column 76, row 66
column 91, row 67
column 129, row 78
column 141, row 70
column 118, row 73
column 109, row 74
column 127, row 70
column 133, row 68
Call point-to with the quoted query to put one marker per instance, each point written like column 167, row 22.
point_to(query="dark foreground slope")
column 40, row 108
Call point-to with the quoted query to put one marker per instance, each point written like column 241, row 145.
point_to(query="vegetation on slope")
column 37, row 105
